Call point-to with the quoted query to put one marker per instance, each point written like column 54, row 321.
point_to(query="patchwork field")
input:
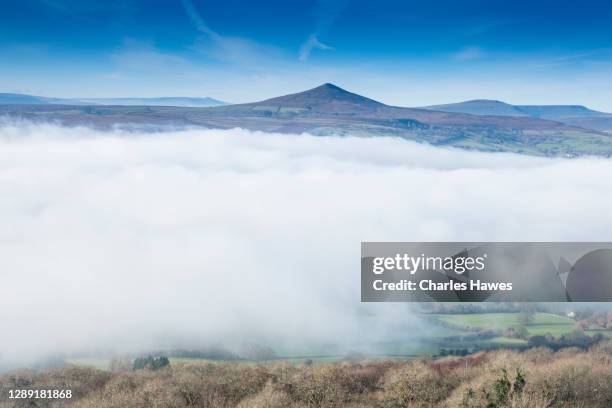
column 540, row 323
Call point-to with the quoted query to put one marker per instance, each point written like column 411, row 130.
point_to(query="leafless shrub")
column 535, row 378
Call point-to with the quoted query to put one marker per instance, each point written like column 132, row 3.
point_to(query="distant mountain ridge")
column 161, row 101
column 560, row 111
column 20, row 99
column 479, row 107
column 330, row 110
column 494, row 107
column 575, row 115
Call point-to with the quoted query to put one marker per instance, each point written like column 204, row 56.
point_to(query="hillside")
column 331, row 110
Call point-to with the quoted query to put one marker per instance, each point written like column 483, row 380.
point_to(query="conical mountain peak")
column 328, row 96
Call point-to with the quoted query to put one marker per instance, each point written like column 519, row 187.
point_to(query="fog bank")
column 127, row 240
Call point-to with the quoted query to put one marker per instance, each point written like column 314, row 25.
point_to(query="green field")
column 540, row 324
column 506, row 342
column 94, row 362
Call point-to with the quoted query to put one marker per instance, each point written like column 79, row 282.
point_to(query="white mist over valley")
column 117, row 240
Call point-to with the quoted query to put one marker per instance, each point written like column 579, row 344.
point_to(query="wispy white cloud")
column 198, row 21
column 583, row 57
column 243, row 52
column 143, row 56
column 311, row 44
column 326, row 13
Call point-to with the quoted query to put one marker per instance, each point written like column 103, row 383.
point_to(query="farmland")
column 540, row 324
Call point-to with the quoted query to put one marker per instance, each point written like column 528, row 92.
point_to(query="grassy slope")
column 542, row 323
column 483, row 133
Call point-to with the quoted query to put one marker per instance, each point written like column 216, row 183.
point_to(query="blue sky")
column 401, row 52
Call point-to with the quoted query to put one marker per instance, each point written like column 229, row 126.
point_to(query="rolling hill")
column 480, row 107
column 574, row 115
column 331, row 110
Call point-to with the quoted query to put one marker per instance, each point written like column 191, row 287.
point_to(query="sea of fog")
column 115, row 240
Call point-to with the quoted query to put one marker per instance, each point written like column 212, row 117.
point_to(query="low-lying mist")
column 124, row 240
